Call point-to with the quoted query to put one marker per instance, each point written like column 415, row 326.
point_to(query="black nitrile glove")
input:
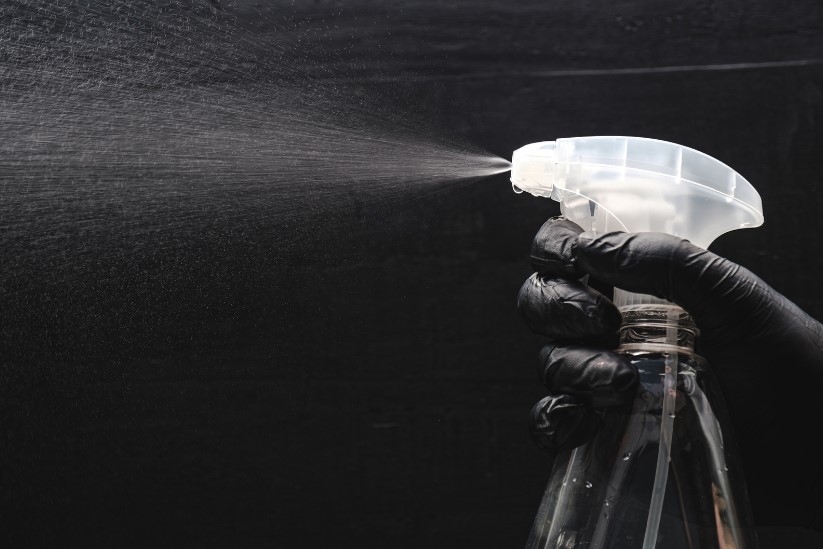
column 765, row 351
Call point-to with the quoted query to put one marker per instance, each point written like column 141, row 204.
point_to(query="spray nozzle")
column 634, row 184
column 533, row 168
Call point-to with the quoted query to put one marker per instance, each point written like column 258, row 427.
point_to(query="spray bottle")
column 665, row 473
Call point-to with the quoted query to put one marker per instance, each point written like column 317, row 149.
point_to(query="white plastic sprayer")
column 646, row 479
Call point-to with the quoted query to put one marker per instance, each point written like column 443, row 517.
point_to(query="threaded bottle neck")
column 622, row 298
column 657, row 325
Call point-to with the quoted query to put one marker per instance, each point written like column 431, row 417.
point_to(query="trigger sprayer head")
column 635, row 184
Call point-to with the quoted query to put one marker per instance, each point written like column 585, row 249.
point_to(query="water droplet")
column 574, row 480
column 672, row 415
column 626, row 456
column 516, row 189
column 589, row 484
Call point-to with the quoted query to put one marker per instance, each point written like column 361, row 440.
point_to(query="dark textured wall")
column 371, row 388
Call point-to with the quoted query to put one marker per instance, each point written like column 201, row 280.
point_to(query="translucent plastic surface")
column 618, row 183
column 660, row 473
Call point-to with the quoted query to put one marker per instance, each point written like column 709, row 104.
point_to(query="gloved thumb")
column 717, row 292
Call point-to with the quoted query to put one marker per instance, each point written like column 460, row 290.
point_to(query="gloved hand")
column 765, row 351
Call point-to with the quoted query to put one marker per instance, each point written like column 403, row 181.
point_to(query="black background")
column 367, row 383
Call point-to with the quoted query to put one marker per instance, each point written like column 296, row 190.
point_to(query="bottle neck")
column 663, row 325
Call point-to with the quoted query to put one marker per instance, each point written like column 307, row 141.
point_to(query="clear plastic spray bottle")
column 663, row 473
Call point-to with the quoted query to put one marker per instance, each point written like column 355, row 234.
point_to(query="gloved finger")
column 553, row 248
column 560, row 421
column 596, row 377
column 553, row 252
column 714, row 290
column 566, row 309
